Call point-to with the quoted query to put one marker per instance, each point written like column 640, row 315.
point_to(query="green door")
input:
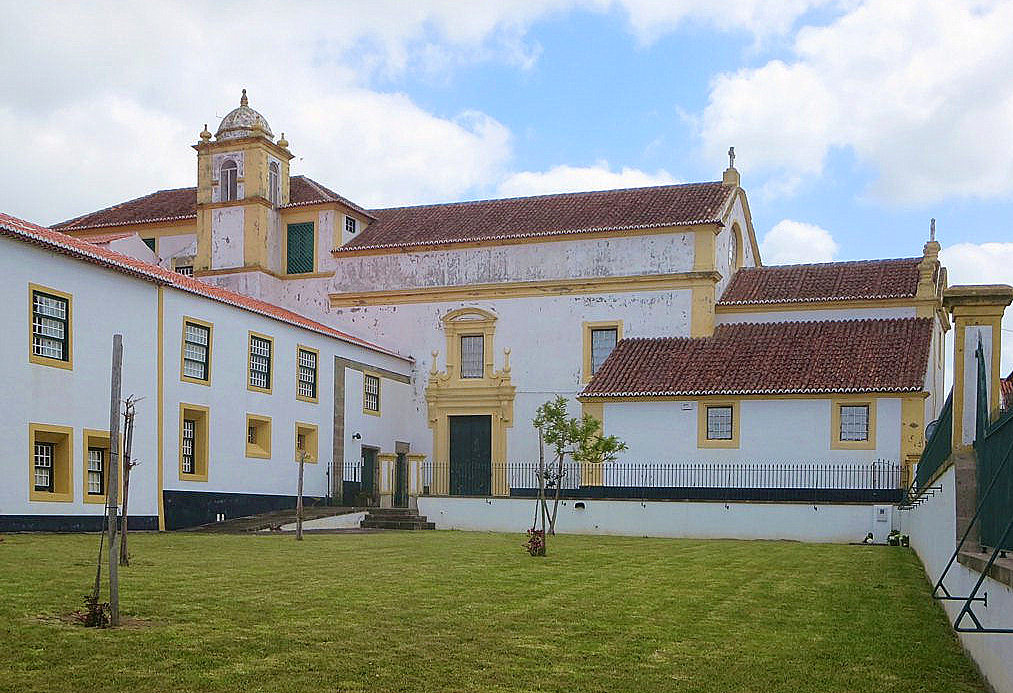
column 470, row 455
column 401, row 481
column 368, row 485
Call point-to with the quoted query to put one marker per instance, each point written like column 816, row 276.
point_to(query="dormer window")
column 274, row 183
column 351, row 225
column 228, row 181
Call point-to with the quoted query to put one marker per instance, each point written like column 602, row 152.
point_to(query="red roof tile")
column 181, row 203
column 832, row 281
column 1006, row 391
column 82, row 250
column 103, row 238
column 772, row 358
column 546, row 215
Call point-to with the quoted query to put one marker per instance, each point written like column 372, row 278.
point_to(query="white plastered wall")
column 771, row 430
column 227, row 234
column 77, row 398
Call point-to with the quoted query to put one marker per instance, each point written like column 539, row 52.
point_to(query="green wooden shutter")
column 300, row 248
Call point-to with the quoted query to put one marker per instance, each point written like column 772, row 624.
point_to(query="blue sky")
column 854, row 121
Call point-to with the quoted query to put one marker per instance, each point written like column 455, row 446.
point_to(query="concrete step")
column 395, row 518
column 397, row 524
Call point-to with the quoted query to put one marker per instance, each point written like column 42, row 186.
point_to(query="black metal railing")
column 877, row 481
column 938, row 447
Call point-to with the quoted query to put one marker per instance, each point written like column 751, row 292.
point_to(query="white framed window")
column 274, row 183
column 188, row 444
column 260, row 362
column 719, row 423
column 307, row 383
column 196, row 350
column 371, row 393
column 96, row 471
column 473, row 356
column 50, row 326
column 228, row 181
column 351, row 225
column 45, row 453
column 603, row 342
column 854, row 422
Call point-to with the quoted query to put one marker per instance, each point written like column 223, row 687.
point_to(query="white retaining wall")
column 932, row 526
column 702, row 520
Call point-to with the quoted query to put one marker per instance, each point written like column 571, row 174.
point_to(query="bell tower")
column 242, row 180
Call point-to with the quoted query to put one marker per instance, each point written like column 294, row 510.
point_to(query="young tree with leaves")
column 580, row 439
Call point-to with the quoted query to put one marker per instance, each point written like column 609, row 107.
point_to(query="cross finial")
column 243, row 101
column 731, row 157
column 932, row 229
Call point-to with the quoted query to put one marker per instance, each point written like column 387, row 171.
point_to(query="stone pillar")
column 977, row 313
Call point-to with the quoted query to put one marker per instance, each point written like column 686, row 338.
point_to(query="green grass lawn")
column 456, row 611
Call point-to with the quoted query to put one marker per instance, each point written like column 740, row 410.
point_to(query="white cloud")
column 792, row 242
column 921, row 92
column 565, row 178
column 985, row 263
column 650, row 19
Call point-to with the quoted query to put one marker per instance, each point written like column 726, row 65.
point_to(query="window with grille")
column 299, row 246
column 719, row 423
column 189, row 445
column 603, row 342
column 96, row 471
column 274, row 183
column 371, row 393
column 473, row 356
column 228, row 182
column 307, row 386
column 50, row 326
column 854, row 422
column 351, row 225
column 45, row 454
column 196, row 350
column 260, row 362
column 185, row 270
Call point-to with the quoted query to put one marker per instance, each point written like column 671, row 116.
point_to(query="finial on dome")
column 283, row 143
column 243, row 101
column 205, row 135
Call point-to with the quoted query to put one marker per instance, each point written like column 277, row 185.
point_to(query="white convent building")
column 264, row 314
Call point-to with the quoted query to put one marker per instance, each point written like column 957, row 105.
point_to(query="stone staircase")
column 270, row 520
column 395, row 518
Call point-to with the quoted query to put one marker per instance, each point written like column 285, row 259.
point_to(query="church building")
column 434, row 332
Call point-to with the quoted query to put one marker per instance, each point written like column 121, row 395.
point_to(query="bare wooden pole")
column 298, row 500
column 114, row 478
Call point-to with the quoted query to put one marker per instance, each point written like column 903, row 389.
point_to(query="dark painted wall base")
column 69, row 523
column 192, row 508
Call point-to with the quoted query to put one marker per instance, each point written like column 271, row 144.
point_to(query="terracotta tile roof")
column 545, row 215
column 181, row 203
column 832, row 281
column 1006, row 391
column 306, row 191
column 82, row 250
column 103, row 238
column 888, row 355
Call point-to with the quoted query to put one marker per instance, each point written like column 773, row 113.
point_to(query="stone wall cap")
column 978, row 294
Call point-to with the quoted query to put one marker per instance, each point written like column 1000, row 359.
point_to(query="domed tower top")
column 243, row 122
